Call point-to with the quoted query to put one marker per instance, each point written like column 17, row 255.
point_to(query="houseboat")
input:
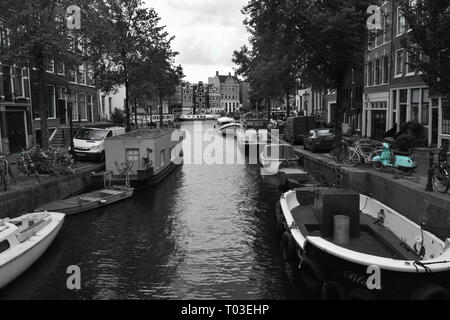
column 351, row 246
column 145, row 156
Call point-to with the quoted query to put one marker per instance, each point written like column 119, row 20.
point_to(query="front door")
column 435, row 126
column 15, row 123
column 378, row 124
column 62, row 111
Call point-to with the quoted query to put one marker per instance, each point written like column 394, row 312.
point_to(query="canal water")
column 206, row 232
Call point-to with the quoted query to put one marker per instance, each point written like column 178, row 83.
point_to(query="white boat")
column 229, row 129
column 351, row 246
column 198, row 117
column 274, row 156
column 23, row 240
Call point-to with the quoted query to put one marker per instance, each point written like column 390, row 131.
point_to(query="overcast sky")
column 206, row 33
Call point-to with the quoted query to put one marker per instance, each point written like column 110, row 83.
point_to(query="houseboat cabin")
column 145, row 155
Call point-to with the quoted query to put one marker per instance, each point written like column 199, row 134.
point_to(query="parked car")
column 89, row 142
column 319, row 139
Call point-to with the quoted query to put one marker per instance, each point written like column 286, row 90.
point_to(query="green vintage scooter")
column 388, row 159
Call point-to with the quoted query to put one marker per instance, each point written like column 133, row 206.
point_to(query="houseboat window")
column 132, row 155
column 4, row 245
column 163, row 156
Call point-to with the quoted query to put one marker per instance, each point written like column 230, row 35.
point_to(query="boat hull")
column 352, row 276
column 69, row 209
column 29, row 252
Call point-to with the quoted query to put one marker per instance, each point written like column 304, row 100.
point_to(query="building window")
column 51, row 66
column 60, row 93
column 103, row 104
column 90, row 105
column 82, row 106
column 74, row 103
column 415, row 100
column 446, row 116
column 90, row 75
column 81, row 76
column 60, row 68
column 399, row 62
column 4, row 35
column 378, row 71
column 385, row 69
column 370, row 73
column 401, row 23
column 17, row 81
column 409, row 67
column 403, row 106
column 387, row 27
column 72, row 75
column 51, row 103
column 26, row 82
column 425, row 107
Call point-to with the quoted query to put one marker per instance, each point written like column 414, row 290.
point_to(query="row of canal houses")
column 64, row 88
column 386, row 92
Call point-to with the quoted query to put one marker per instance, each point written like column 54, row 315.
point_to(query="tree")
column 428, row 42
column 117, row 117
column 36, row 37
column 129, row 34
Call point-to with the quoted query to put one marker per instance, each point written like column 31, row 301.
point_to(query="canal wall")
column 26, row 198
column 405, row 195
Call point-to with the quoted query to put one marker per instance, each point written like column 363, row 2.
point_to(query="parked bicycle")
column 362, row 152
column 6, row 173
column 338, row 152
column 441, row 177
column 26, row 165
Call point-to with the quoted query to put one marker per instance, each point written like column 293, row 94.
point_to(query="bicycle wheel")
column 350, row 158
column 441, row 179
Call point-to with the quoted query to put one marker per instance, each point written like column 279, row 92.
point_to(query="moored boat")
column 229, row 129
column 351, row 246
column 197, row 117
column 23, row 240
column 91, row 200
column 276, row 156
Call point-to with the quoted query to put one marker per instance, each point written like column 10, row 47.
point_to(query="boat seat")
column 388, row 238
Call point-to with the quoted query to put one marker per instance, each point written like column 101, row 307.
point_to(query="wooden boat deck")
column 374, row 239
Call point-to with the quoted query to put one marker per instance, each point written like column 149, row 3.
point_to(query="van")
column 297, row 128
column 89, row 142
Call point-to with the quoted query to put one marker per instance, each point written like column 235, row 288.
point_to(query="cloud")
column 206, row 33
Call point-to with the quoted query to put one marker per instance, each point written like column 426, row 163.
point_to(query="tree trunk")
column 338, row 114
column 160, row 111
column 269, row 107
column 127, row 107
column 42, row 100
column 288, row 106
column 135, row 112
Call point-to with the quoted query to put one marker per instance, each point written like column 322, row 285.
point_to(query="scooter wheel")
column 377, row 165
column 408, row 171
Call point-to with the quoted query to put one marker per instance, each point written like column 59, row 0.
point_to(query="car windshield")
column 91, row 134
column 324, row 133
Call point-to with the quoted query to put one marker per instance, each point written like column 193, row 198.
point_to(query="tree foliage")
column 35, row 37
column 127, row 48
column 428, row 42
